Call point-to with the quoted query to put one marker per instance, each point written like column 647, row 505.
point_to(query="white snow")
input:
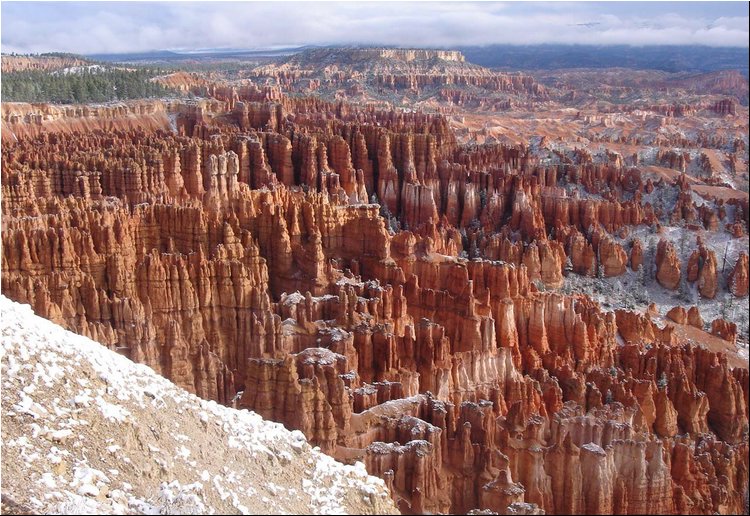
column 593, row 448
column 49, row 418
column 75, row 70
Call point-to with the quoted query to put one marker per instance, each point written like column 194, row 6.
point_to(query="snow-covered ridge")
column 75, row 70
column 85, row 430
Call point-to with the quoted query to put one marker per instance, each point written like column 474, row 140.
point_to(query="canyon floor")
column 499, row 291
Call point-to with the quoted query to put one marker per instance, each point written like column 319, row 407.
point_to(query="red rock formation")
column 612, row 257
column 240, row 253
column 678, row 314
column 707, row 281
column 636, row 255
column 738, row 278
column 724, row 329
column 667, row 265
column 16, row 63
column 694, row 317
column 582, row 256
column 702, row 268
column 725, row 107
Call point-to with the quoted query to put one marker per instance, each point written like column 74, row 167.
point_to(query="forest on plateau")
column 83, row 86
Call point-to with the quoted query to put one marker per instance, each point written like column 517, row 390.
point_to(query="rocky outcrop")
column 678, row 314
column 612, row 257
column 667, row 265
column 358, row 70
column 636, row 255
column 694, row 317
column 737, row 281
column 725, row 107
column 19, row 63
column 701, row 267
column 21, row 120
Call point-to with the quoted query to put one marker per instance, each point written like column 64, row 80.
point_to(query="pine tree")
column 473, row 250
column 662, row 383
column 683, row 291
column 87, row 86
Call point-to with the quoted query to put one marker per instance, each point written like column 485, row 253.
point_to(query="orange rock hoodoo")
column 668, row 272
column 738, row 278
column 241, row 254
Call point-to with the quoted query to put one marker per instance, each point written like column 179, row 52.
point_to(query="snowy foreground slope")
column 85, row 430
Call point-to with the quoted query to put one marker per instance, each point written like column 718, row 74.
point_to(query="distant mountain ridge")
column 665, row 58
column 517, row 57
column 173, row 56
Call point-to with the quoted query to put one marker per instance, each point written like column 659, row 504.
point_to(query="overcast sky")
column 112, row 27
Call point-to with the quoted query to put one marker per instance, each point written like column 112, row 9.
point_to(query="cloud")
column 97, row 27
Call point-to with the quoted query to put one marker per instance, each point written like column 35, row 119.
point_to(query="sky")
column 117, row 27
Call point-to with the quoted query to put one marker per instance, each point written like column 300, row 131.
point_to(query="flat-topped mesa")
column 356, row 55
column 442, row 75
column 408, row 54
column 13, row 63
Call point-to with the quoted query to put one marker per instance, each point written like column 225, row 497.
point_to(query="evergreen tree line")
column 86, row 86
